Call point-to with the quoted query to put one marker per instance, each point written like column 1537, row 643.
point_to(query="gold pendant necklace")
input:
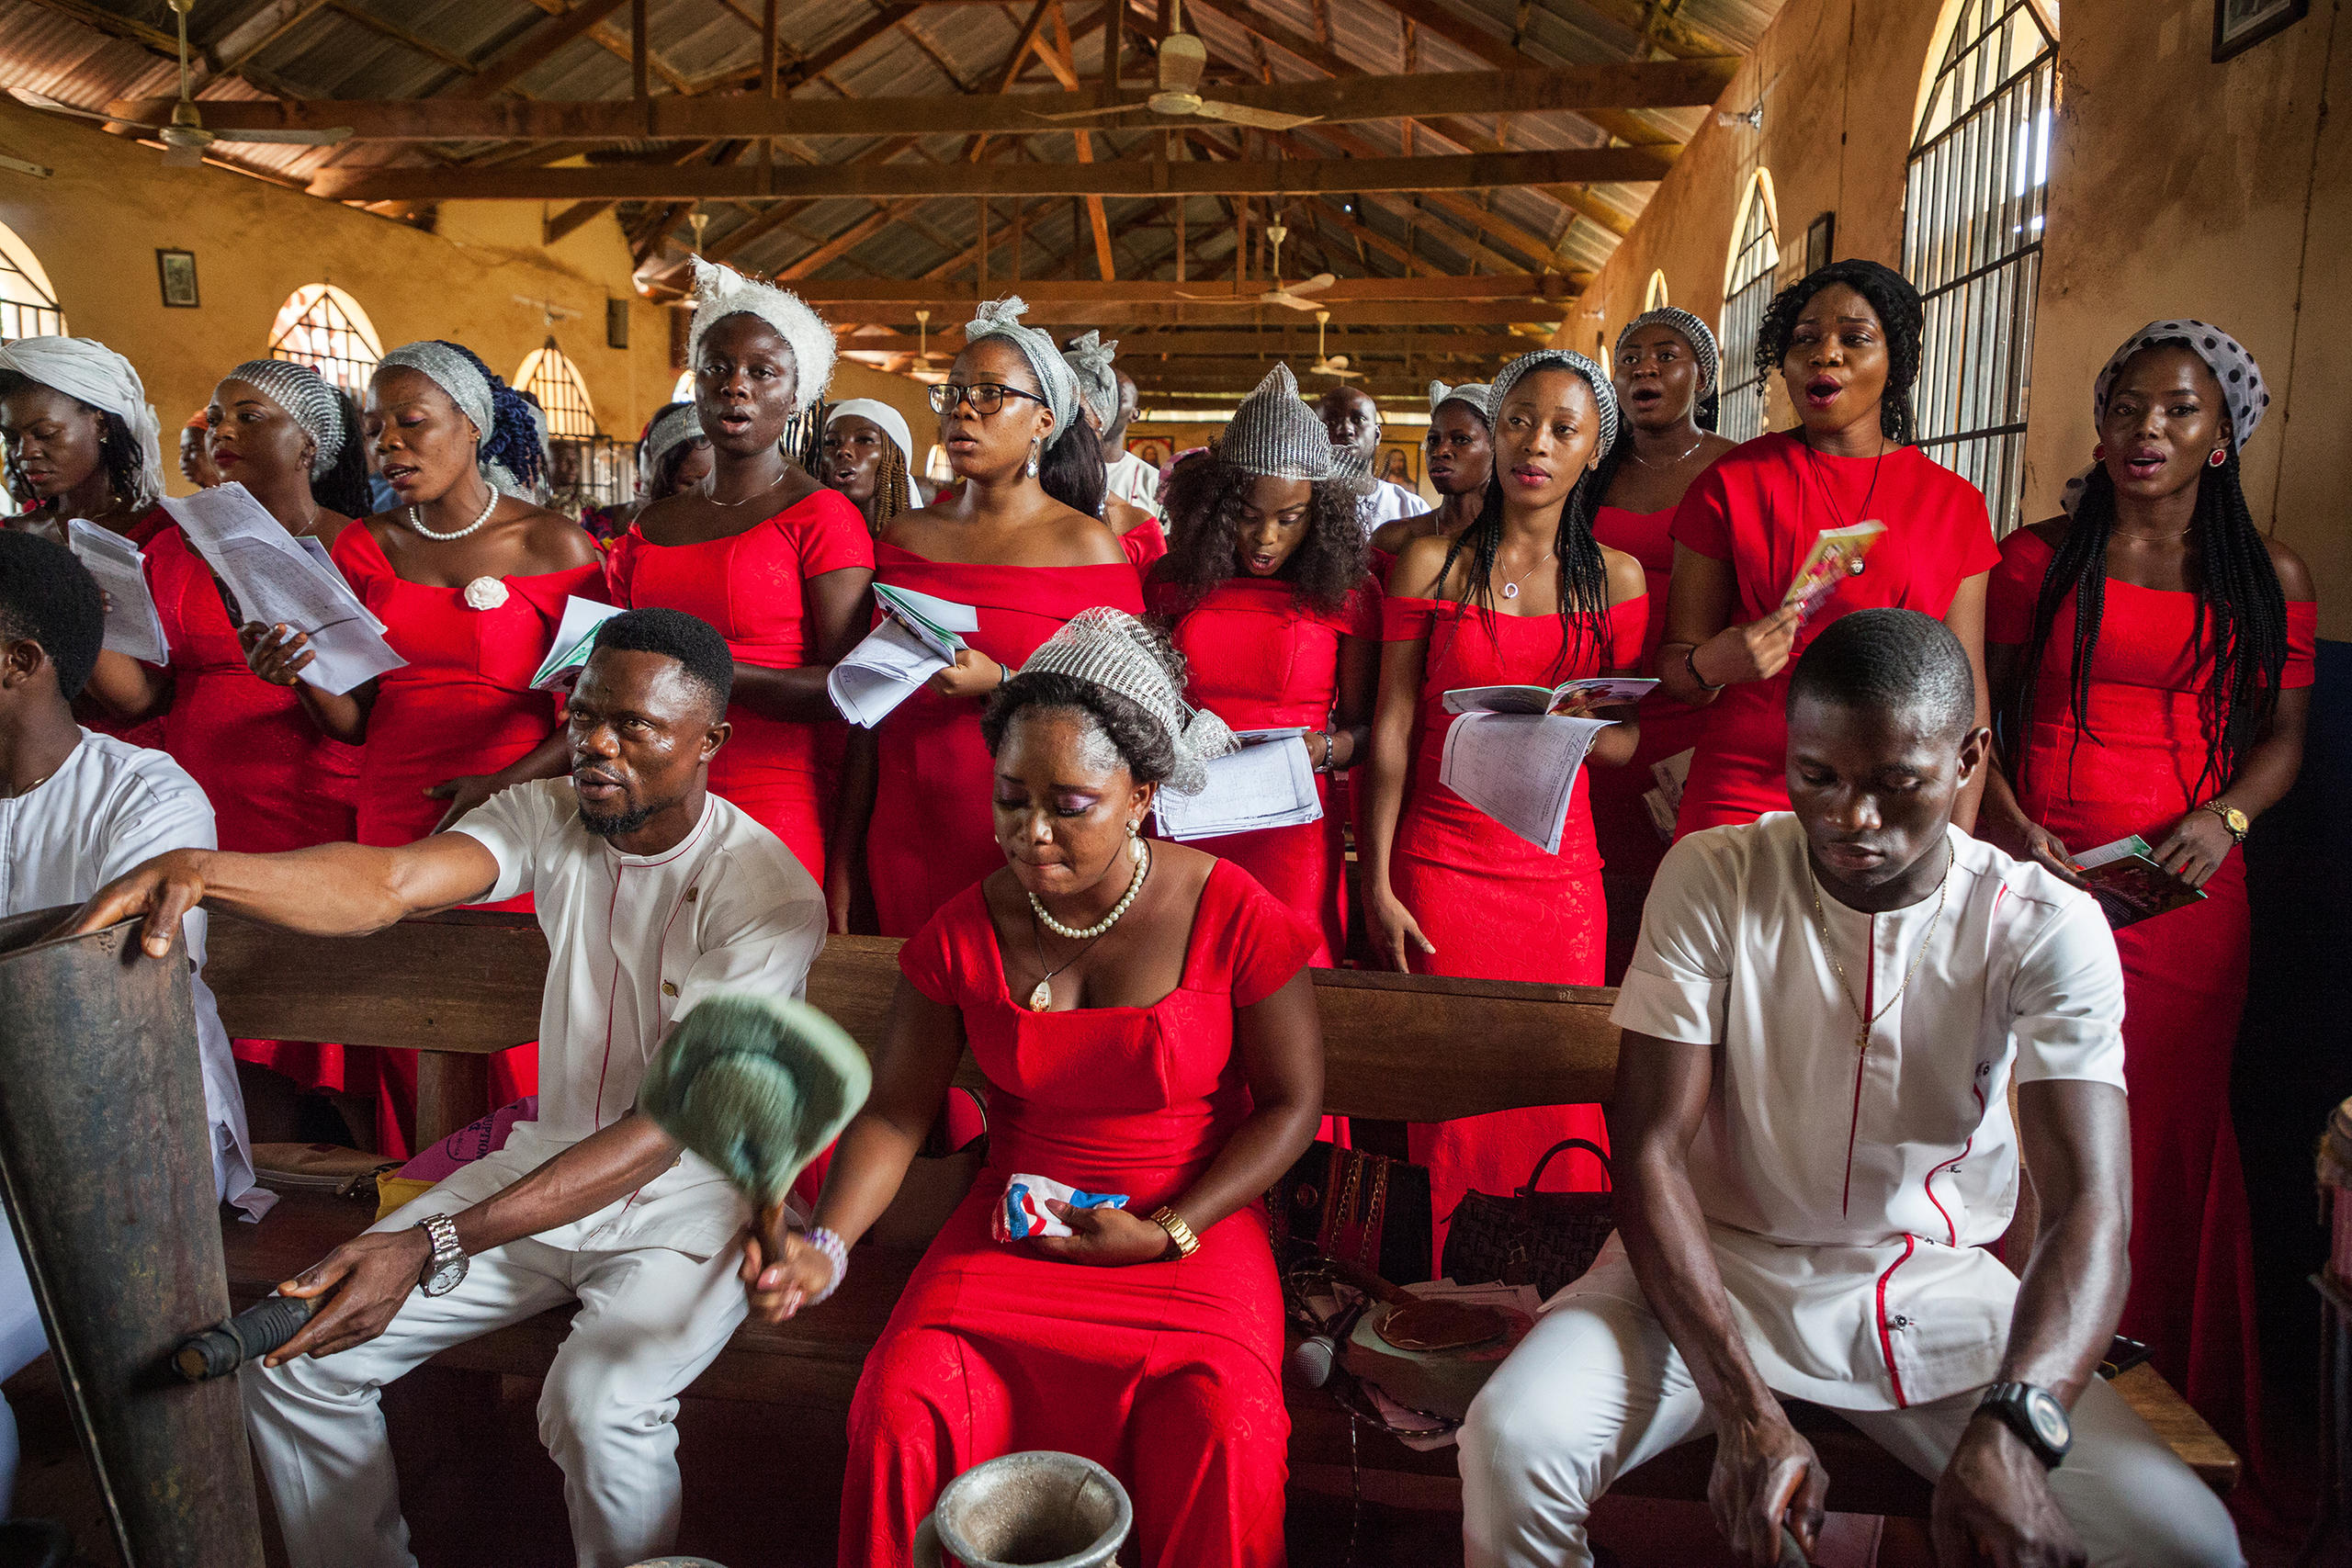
column 1868, row 1021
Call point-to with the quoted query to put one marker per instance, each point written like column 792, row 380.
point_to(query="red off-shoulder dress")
column 934, row 833
column 1760, row 508
column 1144, row 544
column 2138, row 768
column 1262, row 660
column 1169, row 1374
column 462, row 705
column 147, row 732
column 1497, row 907
column 752, row 587
column 274, row 781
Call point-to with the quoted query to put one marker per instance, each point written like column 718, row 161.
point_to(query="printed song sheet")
column 1270, row 782
column 1519, row 769
column 132, row 626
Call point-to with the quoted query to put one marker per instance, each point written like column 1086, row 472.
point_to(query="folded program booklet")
column 1519, row 769
column 1269, row 783
column 575, row 638
column 917, row 636
column 1568, row 697
column 2129, row 883
column 1837, row 555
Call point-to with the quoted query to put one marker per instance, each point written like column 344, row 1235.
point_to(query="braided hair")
column 1203, row 503
column 1583, row 573
column 2237, row 588
column 1900, row 312
column 892, row 488
column 343, row 487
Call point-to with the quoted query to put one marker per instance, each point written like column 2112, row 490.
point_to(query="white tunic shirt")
column 1850, row 1194
column 109, row 806
column 635, row 941
column 1390, row 500
column 1136, row 482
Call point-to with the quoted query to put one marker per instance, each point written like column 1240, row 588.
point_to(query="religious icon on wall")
column 2239, row 25
column 176, row 271
column 1150, row 449
column 1398, row 464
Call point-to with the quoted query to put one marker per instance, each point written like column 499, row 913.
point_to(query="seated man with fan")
column 1815, row 1151
column 654, row 894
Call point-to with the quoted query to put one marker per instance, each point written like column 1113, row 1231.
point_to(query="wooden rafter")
column 535, row 46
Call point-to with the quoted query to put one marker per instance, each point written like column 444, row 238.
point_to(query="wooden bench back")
column 1395, row 1047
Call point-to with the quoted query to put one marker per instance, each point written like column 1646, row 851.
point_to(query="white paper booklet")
column 918, row 637
column 1519, row 769
column 132, row 626
column 1666, row 801
column 1594, row 691
column 274, row 580
column 575, row 636
column 1270, row 782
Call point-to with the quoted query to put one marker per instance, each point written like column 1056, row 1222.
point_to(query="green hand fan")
column 756, row 1086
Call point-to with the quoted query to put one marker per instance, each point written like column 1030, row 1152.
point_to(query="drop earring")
column 1135, row 842
column 1034, row 447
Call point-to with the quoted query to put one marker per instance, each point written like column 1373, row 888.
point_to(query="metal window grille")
column 26, row 310
column 1741, row 416
column 1654, row 295
column 585, row 466
column 1973, row 210
column 322, row 327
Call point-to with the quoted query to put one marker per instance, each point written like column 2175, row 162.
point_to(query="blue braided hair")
column 513, row 442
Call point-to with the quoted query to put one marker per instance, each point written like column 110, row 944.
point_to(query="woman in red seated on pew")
column 1146, row 1026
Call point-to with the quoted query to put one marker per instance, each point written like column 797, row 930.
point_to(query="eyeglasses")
column 986, row 396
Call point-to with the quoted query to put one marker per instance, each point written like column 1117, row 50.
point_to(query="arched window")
column 28, row 304
column 1654, row 297
column 1748, row 289
column 683, row 393
column 322, row 327
column 585, row 466
column 1971, row 238
column 555, row 381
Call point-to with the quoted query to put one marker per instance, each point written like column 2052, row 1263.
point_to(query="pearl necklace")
column 416, row 521
column 1143, row 870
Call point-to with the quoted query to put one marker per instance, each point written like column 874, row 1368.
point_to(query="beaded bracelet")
column 836, row 1254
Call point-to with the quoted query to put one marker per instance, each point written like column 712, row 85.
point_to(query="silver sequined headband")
column 454, row 374
column 1056, row 379
column 308, row 401
column 1561, row 359
column 1475, row 396
column 1693, row 331
column 1112, row 649
column 1098, row 386
column 1274, row 436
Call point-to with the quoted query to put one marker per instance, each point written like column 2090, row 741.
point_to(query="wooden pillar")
column 984, row 245
column 640, row 52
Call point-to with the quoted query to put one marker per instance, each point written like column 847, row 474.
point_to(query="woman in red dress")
column 1144, row 1017
column 913, row 805
column 869, row 458
column 2153, row 656
column 1665, row 383
column 1846, row 343
column 671, row 455
column 1527, row 596
column 275, row 782
column 1267, row 598
column 778, row 562
column 1461, row 460
column 470, row 585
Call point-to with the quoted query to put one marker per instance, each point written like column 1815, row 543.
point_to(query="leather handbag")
column 1363, row 1209
column 1532, row 1238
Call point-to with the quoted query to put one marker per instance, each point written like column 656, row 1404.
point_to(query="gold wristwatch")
column 2232, row 818
column 1179, row 1235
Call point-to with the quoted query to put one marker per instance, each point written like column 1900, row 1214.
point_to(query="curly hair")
column 1140, row 741
column 1899, row 311
column 1202, row 503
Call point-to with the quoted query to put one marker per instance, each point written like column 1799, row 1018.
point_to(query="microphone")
column 1310, row 1362
column 254, row 1333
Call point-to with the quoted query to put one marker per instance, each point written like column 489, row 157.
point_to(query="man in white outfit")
column 653, row 893
column 1131, row 478
column 1352, row 420
column 1813, row 1149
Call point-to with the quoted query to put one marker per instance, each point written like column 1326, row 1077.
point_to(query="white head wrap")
column 85, row 368
column 1694, row 332
column 680, row 424
column 722, row 291
column 1098, row 386
column 892, row 422
column 1113, row 650
column 1562, row 359
column 2243, row 393
column 308, row 401
column 1472, row 394
column 1056, row 379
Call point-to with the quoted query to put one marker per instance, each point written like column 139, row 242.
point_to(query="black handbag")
column 1363, row 1209
column 1534, row 1237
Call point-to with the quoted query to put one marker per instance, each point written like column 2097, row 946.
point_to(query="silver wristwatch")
column 448, row 1262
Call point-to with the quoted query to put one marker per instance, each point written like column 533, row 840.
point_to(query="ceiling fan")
column 1326, row 363
column 1183, row 60
column 1294, row 297
column 185, row 139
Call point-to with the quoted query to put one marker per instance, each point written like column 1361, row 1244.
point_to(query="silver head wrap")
column 722, row 291
column 1473, row 395
column 680, row 425
column 454, row 374
column 1112, row 649
column 86, row 369
column 1056, row 379
column 2243, row 392
column 1560, row 359
column 308, row 401
column 1098, row 386
column 1274, row 436
column 1694, row 332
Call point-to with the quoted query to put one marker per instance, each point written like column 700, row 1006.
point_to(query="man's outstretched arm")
column 1765, row 1474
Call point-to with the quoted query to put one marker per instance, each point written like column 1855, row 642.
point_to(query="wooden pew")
column 460, row 986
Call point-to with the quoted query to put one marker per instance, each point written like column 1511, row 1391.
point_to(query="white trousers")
column 650, row 1321
column 1597, row 1388
column 21, row 1343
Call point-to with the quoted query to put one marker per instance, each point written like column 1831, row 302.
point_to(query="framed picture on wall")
column 2239, row 25
column 1398, row 462
column 1821, row 241
column 176, row 271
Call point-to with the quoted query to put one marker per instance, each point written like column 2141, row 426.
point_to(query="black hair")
column 118, row 453
column 1142, row 741
column 2237, row 588
column 49, row 596
column 343, row 487
column 694, row 642
column 1900, row 312
column 1071, row 469
column 1900, row 660
column 1202, row 504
